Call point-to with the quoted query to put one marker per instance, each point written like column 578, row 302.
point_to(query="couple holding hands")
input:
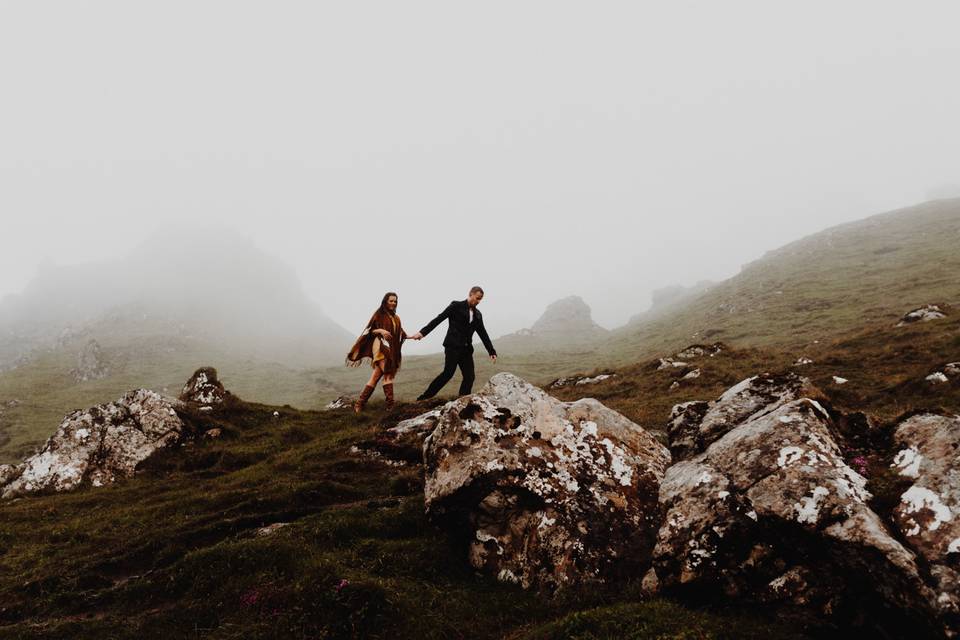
column 383, row 336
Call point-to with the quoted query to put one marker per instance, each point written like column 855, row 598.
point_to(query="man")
column 464, row 318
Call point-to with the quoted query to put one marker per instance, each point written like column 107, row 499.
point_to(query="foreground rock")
column 550, row 494
column 693, row 426
column 204, row 388
column 765, row 510
column 928, row 516
column 97, row 446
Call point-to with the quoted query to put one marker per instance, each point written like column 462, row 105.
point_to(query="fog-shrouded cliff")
column 216, row 287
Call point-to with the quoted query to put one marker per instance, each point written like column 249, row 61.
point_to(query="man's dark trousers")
column 454, row 357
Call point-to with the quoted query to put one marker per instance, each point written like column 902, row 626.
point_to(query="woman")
column 380, row 342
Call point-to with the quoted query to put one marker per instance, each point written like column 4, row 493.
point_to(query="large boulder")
column 550, row 494
column 768, row 511
column 97, row 446
column 928, row 515
column 204, row 388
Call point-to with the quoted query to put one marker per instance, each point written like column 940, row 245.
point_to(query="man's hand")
column 417, row 336
column 494, row 358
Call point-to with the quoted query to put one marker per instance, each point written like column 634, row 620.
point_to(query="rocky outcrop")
column 97, row 446
column 764, row 509
column 204, row 388
column 550, row 494
column 693, row 352
column 91, row 364
column 928, row 515
column 575, row 381
column 342, row 402
column 567, row 317
column 926, row 313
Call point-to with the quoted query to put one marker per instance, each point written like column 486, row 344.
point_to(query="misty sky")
column 539, row 149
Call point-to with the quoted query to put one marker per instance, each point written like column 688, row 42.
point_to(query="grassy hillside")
column 861, row 273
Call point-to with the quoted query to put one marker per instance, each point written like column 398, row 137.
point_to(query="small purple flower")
column 861, row 463
column 340, row 585
column 250, row 598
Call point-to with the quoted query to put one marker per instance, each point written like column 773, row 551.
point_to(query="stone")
column 99, row 445
column 839, row 380
column 937, row 377
column 802, row 361
column 928, row 515
column 926, row 313
column 204, row 388
column 574, row 381
column 551, row 494
column 769, row 512
column 700, row 350
column 343, row 402
column 952, row 369
column 694, row 426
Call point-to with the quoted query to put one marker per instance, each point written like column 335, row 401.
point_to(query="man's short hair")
column 473, row 290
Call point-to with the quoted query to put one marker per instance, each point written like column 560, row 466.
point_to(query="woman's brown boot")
column 362, row 400
column 388, row 393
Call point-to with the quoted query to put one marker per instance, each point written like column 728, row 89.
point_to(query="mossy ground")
column 174, row 552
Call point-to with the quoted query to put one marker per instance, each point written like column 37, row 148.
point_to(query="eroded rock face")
column 551, row 494
column 928, row 516
column 769, row 511
column 98, row 445
column 204, row 388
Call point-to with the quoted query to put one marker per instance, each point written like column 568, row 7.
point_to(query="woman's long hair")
column 383, row 303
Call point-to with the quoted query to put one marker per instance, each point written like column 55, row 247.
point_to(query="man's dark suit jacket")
column 460, row 329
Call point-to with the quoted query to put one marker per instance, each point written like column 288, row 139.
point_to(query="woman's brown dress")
column 376, row 348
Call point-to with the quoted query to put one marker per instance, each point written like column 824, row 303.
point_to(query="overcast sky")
column 539, row 149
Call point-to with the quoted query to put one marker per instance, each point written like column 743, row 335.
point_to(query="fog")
column 538, row 149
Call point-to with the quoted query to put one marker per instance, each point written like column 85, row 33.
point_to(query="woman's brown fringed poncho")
column 375, row 348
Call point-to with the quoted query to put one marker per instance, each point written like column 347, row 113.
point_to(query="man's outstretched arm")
column 482, row 332
column 430, row 326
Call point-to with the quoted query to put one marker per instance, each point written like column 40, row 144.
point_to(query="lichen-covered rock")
column 700, row 350
column 204, row 388
column 928, row 516
column 926, row 313
column 91, row 364
column 99, row 445
column 748, row 399
column 342, row 402
column 551, row 494
column 574, row 381
column 769, row 511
